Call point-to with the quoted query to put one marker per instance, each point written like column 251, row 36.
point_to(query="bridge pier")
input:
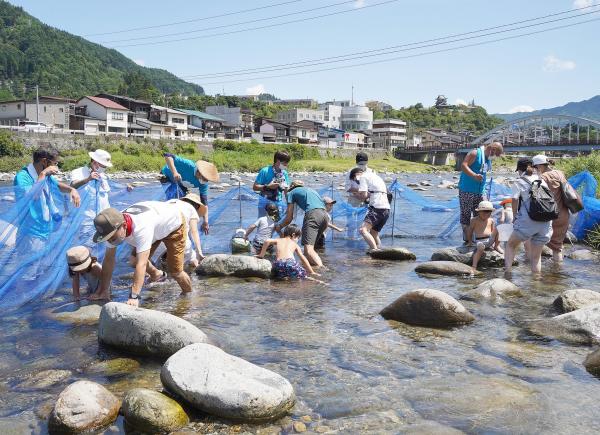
column 435, row 158
column 459, row 158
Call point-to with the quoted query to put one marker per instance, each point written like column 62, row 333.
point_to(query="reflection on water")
column 352, row 370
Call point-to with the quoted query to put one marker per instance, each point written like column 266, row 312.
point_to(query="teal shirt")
column 187, row 170
column 265, row 176
column 306, row 198
column 481, row 165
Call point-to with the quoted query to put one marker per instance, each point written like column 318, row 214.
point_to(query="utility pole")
column 37, row 103
column 352, row 95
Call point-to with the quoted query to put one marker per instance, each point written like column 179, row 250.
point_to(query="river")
column 352, row 371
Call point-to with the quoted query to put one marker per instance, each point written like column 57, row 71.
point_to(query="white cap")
column 540, row 159
column 102, row 157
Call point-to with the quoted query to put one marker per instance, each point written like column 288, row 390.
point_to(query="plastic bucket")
column 504, row 232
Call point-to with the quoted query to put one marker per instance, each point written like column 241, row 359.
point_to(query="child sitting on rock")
column 83, row 265
column 483, row 232
column 286, row 266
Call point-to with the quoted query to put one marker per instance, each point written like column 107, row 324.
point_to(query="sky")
column 519, row 74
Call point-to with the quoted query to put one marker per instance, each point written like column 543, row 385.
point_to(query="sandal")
column 162, row 278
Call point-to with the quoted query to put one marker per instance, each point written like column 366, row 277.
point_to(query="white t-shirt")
column 187, row 209
column 264, row 229
column 351, row 184
column 152, row 221
column 97, row 190
column 372, row 183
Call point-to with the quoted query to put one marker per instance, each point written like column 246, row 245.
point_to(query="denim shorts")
column 524, row 228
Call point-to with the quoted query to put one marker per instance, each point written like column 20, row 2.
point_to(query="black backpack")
column 542, row 205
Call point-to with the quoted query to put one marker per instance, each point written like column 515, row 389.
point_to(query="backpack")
column 542, row 205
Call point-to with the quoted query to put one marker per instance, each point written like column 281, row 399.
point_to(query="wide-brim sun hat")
column 540, row 159
column 193, row 198
column 207, row 170
column 79, row 258
column 296, row 183
column 485, row 206
column 102, row 157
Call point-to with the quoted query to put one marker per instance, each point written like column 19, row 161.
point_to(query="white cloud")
column 255, row 90
column 521, row 108
column 359, row 3
column 139, row 62
column 582, row 3
column 460, row 102
column 554, row 64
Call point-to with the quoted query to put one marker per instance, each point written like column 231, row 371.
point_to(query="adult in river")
column 472, row 180
column 143, row 226
column 354, row 198
column 315, row 217
column 272, row 181
column 555, row 180
column 188, row 174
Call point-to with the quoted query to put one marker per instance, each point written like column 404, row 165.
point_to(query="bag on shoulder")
column 571, row 198
column 542, row 205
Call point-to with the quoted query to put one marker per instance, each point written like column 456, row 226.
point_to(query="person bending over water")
column 286, row 266
column 83, row 265
column 483, row 231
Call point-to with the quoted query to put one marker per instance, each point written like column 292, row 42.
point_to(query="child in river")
column 264, row 226
column 483, row 231
column 286, row 266
column 506, row 214
column 83, row 265
column 329, row 203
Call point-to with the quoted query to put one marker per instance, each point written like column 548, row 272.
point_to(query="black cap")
column 523, row 163
column 362, row 157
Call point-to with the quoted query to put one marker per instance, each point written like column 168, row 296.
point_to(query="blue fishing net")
column 589, row 217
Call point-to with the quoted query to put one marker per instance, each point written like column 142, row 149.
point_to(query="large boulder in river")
column 582, row 254
column 427, row 307
column 574, row 299
column 592, row 363
column 464, row 254
column 497, row 288
column 149, row 411
column 581, row 326
column 76, row 314
column 242, row 266
column 452, row 268
column 226, row 386
column 83, row 406
column 145, row 332
column 395, row 254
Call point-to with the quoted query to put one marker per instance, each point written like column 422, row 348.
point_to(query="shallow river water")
column 352, row 371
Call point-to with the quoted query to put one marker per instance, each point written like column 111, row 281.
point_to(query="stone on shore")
column 574, row 299
column 149, row 411
column 582, row 255
column 242, row 266
column 497, row 288
column 450, row 268
column 226, row 386
column 427, row 307
column 87, row 314
column 592, row 363
column 581, row 326
column 464, row 254
column 546, row 252
column 145, row 332
column 83, row 406
column 395, row 254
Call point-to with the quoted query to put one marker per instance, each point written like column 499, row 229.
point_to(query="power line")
column 232, row 24
column 227, row 14
column 386, row 50
column 408, row 56
column 261, row 27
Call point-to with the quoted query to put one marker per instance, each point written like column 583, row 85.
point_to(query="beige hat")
column 102, row 157
column 296, row 183
column 485, row 206
column 540, row 159
column 207, row 170
column 107, row 222
column 78, row 258
column 329, row 200
column 193, row 198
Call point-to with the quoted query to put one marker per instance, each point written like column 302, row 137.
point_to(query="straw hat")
column 193, row 198
column 102, row 157
column 329, row 200
column 485, row 206
column 79, row 258
column 296, row 183
column 207, row 170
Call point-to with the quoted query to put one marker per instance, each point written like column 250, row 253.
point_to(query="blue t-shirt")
column 480, row 166
column 187, row 170
column 306, row 198
column 265, row 176
column 38, row 222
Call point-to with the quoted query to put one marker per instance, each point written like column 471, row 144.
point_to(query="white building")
column 51, row 111
column 113, row 114
column 332, row 115
column 357, row 118
column 296, row 115
column 389, row 134
column 239, row 121
column 175, row 120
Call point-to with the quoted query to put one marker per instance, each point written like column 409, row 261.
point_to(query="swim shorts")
column 314, row 225
column 377, row 217
column 288, row 269
column 468, row 202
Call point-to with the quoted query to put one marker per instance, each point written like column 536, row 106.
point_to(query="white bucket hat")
column 102, row 157
column 540, row 159
column 485, row 206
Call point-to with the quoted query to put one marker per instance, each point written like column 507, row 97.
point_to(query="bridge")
column 551, row 134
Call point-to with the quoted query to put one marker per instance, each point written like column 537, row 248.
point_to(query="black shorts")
column 377, row 217
column 314, row 225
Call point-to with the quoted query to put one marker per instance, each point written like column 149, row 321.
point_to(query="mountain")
column 33, row 53
column 586, row 109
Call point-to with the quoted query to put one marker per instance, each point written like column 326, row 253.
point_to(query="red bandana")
column 128, row 224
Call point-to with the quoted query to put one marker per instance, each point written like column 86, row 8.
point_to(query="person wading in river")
column 472, row 181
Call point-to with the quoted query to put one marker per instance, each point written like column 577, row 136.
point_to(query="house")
column 176, row 120
column 238, row 122
column 389, row 134
column 438, row 138
column 268, row 130
column 90, row 109
column 210, row 126
column 138, row 109
column 292, row 116
column 51, row 111
column 330, row 137
column 306, row 132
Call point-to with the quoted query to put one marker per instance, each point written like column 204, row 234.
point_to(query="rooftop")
column 104, row 102
column 168, row 109
column 201, row 115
